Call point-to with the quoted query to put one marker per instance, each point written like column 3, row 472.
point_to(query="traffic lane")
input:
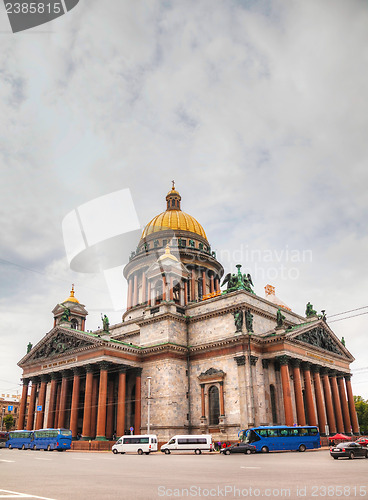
column 100, row 475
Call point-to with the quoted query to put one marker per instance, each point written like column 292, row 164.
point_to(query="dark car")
column 239, row 448
column 363, row 441
column 349, row 450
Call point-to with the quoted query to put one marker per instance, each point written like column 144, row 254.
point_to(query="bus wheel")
column 302, row 447
column 115, row 451
column 34, row 447
column 23, row 447
column 167, row 452
column 264, row 449
column 198, row 452
column 140, row 452
column 48, row 448
column 10, row 447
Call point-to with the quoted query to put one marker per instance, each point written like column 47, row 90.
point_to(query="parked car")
column 362, row 441
column 239, row 448
column 349, row 450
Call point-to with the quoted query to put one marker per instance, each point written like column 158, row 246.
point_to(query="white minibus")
column 136, row 444
column 196, row 443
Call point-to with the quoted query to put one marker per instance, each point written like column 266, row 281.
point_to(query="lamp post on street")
column 149, row 405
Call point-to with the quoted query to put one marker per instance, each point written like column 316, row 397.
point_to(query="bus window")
column 284, row 432
column 313, row 431
column 303, row 432
column 172, row 441
column 262, row 432
column 272, row 433
column 293, row 432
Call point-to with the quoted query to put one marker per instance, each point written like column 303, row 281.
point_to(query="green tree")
column 8, row 422
column 361, row 406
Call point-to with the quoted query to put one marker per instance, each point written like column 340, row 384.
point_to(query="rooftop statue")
column 309, row 311
column 29, row 347
column 105, row 323
column 280, row 318
column 66, row 313
column 238, row 281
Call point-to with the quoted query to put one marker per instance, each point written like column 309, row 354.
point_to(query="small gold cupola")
column 173, row 199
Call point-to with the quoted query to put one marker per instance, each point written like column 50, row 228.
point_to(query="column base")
column 101, row 438
column 86, row 438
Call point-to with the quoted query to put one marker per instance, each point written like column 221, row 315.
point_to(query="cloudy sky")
column 257, row 109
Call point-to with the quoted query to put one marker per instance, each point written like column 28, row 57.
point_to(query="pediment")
column 212, row 374
column 321, row 336
column 56, row 343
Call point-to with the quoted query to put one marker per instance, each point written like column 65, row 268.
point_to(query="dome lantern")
column 173, row 199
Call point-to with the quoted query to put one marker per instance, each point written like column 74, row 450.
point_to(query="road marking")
column 16, row 494
column 12, row 461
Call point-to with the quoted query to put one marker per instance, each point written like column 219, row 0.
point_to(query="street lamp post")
column 149, row 405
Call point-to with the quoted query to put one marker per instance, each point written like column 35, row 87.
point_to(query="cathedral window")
column 214, row 405
column 74, row 324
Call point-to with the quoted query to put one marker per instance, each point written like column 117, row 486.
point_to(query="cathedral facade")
column 187, row 357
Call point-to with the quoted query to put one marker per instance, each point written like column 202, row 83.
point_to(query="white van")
column 136, row 444
column 188, row 442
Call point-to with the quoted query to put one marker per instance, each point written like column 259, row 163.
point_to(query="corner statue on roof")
column 105, row 323
column 309, row 311
column 238, row 281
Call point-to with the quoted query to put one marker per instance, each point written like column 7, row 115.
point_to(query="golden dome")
column 71, row 298
column 173, row 218
column 176, row 220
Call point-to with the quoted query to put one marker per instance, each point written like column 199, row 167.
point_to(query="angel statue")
column 231, row 280
column 105, row 323
column 309, row 311
column 247, row 282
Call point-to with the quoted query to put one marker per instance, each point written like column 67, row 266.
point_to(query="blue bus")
column 281, row 437
column 43, row 439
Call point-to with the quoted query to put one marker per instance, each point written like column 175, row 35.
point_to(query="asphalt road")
column 74, row 475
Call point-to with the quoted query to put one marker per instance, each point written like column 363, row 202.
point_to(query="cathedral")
column 191, row 355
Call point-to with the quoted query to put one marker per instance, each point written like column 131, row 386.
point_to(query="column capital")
column 306, row 365
column 348, row 376
column 55, row 375
column 283, row 360
column 296, row 362
column 137, row 371
column 332, row 373
column 122, row 369
column 340, row 375
column 65, row 373
column 89, row 368
column 316, row 368
column 78, row 371
column 240, row 360
column 253, row 360
column 265, row 363
column 45, row 378
column 104, row 365
column 324, row 370
column 35, row 380
column 25, row 381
